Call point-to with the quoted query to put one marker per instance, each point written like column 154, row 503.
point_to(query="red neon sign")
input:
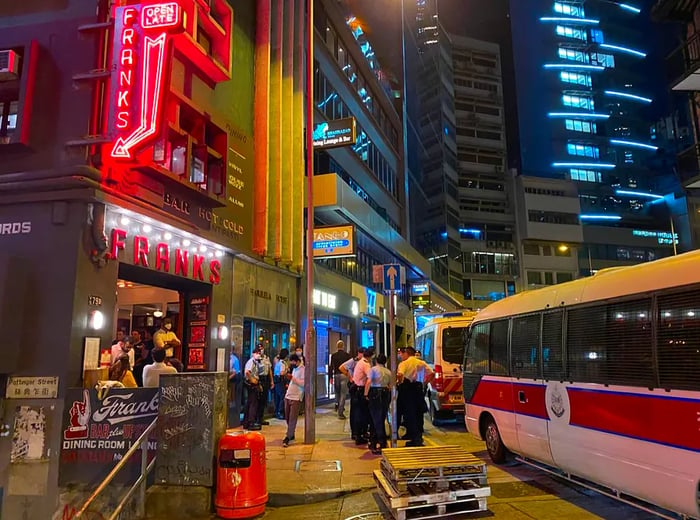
column 139, row 60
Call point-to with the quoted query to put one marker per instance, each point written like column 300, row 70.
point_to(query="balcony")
column 689, row 166
column 674, row 10
column 683, row 65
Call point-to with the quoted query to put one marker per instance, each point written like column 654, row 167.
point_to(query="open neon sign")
column 139, row 62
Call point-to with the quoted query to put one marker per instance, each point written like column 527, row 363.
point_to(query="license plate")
column 455, row 398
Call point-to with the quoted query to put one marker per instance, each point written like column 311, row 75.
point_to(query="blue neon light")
column 633, row 144
column 470, row 231
column 568, row 19
column 572, row 66
column 599, row 166
column 443, row 234
column 634, row 97
column 630, row 8
column 580, row 115
column 623, row 49
column 600, row 217
column 638, row 194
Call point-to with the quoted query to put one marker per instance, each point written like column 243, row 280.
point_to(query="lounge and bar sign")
column 334, row 242
column 334, row 133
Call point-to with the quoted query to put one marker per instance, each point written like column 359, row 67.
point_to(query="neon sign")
column 139, row 63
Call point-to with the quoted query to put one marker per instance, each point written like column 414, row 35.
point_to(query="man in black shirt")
column 340, row 381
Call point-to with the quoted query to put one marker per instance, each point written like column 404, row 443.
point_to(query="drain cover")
column 317, row 465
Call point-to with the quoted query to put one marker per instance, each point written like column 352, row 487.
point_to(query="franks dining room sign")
column 173, row 256
column 139, row 71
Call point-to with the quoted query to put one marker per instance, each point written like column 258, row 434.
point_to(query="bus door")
column 531, row 419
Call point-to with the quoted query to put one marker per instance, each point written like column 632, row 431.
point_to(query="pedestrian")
column 411, row 392
column 265, row 375
column 280, row 380
column 252, row 383
column 293, row 397
column 347, row 369
column 121, row 371
column 364, row 428
column 378, row 394
column 152, row 372
column 339, row 380
column 123, row 347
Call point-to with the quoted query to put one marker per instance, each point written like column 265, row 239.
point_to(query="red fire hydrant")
column 241, row 486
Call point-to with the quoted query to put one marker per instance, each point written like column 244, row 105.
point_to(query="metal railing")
column 140, row 484
column 684, row 60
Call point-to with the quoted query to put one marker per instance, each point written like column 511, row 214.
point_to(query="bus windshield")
column 453, row 340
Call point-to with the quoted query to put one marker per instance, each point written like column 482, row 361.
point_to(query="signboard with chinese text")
column 32, row 387
column 334, row 242
column 335, row 133
column 97, row 433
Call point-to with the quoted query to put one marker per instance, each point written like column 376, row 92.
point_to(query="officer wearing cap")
column 252, row 383
column 411, row 393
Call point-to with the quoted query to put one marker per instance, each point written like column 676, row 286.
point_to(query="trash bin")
column 241, row 480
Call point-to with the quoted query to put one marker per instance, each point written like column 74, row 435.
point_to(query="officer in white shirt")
column 411, row 393
column 360, row 376
column 294, row 397
column 348, row 369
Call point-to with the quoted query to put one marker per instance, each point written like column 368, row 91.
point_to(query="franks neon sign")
column 139, row 64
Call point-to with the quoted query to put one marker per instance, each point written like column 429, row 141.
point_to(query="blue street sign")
column 392, row 277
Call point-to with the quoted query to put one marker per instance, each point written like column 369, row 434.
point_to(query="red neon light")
column 161, row 16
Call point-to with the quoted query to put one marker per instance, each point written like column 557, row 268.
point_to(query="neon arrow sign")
column 137, row 90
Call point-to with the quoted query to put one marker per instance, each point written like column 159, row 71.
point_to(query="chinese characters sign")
column 139, row 72
column 32, row 388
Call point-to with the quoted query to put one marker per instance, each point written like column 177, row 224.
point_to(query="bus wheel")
column 494, row 444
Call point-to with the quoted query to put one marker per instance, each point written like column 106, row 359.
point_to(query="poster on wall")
column 198, row 330
column 96, row 433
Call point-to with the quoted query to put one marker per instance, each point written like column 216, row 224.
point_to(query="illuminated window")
column 583, row 150
column 597, row 36
column 573, row 55
column 569, row 9
column 578, row 101
column 576, row 125
column 8, row 119
column 575, row 78
column 570, row 32
column 577, row 174
column 602, row 60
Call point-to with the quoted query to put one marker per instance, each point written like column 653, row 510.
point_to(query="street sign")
column 392, row 277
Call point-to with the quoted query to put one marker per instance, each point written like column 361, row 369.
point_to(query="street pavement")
column 332, row 479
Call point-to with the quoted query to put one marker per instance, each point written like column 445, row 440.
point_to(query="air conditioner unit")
column 9, row 65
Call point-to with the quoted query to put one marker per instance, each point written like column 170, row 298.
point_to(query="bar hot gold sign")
column 334, row 242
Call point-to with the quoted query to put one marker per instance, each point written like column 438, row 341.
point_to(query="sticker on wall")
column 29, row 435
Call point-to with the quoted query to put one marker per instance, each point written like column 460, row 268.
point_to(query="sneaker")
column 254, row 427
column 285, row 442
column 342, row 416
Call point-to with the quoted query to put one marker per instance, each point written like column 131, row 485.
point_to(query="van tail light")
column 439, row 380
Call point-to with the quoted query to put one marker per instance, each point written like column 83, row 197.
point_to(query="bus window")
column 679, row 341
column 525, row 346
column 477, row 357
column 453, row 339
column 552, row 351
column 498, row 347
column 611, row 344
column 429, row 347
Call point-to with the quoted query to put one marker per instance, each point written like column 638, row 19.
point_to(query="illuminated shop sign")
column 334, row 133
column 142, row 242
column 339, row 303
column 418, row 289
column 139, row 70
column 662, row 237
column 334, row 242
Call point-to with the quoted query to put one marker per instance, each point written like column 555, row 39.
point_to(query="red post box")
column 241, row 483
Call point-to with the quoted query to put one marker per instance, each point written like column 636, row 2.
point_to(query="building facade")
column 135, row 188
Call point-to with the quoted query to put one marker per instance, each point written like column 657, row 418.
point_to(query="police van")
column 441, row 344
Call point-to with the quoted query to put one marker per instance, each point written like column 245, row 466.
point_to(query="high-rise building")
column 586, row 103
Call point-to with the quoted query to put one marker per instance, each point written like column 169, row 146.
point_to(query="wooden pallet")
column 411, row 465
column 437, row 505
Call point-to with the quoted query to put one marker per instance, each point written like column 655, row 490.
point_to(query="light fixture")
column 158, row 314
column 146, row 228
column 96, row 320
column 223, row 332
column 167, row 235
column 186, row 243
column 563, row 248
column 202, row 249
column 124, row 220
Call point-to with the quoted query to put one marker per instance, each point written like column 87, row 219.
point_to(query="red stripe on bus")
column 674, row 422
column 533, row 395
column 493, row 394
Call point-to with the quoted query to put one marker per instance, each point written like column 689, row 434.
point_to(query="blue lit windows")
column 577, row 174
column 597, row 36
column 570, row 32
column 603, row 60
column 569, row 9
column 573, row 55
column 576, row 125
column 583, row 150
column 578, row 101
column 575, row 78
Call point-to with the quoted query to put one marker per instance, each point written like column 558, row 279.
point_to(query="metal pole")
column 394, row 366
column 310, row 347
column 141, row 508
column 404, row 110
column 673, row 239
column 385, row 343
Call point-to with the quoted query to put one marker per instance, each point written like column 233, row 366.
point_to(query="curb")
column 300, row 499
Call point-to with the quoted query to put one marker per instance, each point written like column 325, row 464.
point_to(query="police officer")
column 252, row 383
column 363, row 426
column 411, row 393
column 266, row 384
column 377, row 392
column 348, row 369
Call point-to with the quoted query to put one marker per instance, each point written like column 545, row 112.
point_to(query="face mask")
column 168, row 326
